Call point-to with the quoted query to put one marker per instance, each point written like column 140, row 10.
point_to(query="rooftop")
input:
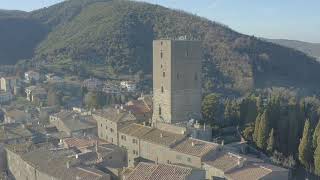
column 58, row 163
column 135, row 130
column 13, row 131
column 195, row 147
column 148, row 171
column 249, row 172
column 115, row 115
column 163, row 137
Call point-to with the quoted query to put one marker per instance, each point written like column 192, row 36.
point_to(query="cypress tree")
column 271, row 141
column 305, row 152
column 256, row 128
column 316, row 135
column 317, row 158
column 263, row 131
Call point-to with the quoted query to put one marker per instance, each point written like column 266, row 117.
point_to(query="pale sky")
column 287, row 19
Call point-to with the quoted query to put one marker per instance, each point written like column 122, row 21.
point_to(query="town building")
column 176, row 81
column 110, row 120
column 150, row 171
column 73, row 123
column 130, row 86
column 36, row 93
column 141, row 108
column 7, row 84
column 31, row 76
column 14, row 133
column 46, row 162
column 16, row 116
column 93, row 84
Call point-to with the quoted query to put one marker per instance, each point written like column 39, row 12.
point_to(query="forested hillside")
column 118, row 35
column 311, row 49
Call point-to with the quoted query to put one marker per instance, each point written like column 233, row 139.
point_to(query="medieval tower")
column 176, row 81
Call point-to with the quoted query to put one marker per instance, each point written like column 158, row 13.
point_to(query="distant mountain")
column 117, row 36
column 311, row 49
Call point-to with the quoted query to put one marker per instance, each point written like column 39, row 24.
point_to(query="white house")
column 31, row 76
column 129, row 85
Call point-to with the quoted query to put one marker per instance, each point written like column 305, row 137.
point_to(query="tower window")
column 159, row 110
column 162, row 90
column 161, row 43
column 164, row 74
column 161, row 54
column 187, row 52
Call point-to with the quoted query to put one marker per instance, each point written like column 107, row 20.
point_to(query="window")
column 111, row 130
column 123, row 137
column 187, row 52
column 159, row 111
column 101, row 125
column 161, row 43
column 106, row 127
column 164, row 74
column 134, row 141
column 189, row 159
column 162, row 90
column 161, row 54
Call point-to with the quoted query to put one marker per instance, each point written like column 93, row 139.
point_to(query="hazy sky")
column 289, row 19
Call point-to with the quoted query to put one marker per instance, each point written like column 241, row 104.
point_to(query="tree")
column 263, row 131
column 271, row 141
column 230, row 113
column 305, row 152
column 315, row 136
column 210, row 107
column 317, row 159
column 256, row 128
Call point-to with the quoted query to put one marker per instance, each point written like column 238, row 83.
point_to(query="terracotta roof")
column 249, row 172
column 163, row 137
column 195, row 147
column 79, row 142
column 137, row 107
column 224, row 161
column 135, row 130
column 115, row 115
column 148, row 171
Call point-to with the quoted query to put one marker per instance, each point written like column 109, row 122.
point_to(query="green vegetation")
column 116, row 36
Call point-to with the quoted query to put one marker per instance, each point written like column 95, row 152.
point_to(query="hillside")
column 117, row 36
column 19, row 35
column 311, row 49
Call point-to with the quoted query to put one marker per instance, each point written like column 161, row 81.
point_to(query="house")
column 111, row 88
column 5, row 96
column 16, row 116
column 110, row 120
column 141, row 108
column 73, row 123
column 151, row 171
column 53, row 78
column 14, row 133
column 130, row 86
column 7, row 84
column 47, row 162
column 92, row 84
column 36, row 93
column 31, row 76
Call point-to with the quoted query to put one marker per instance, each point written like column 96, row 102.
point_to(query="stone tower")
column 176, row 80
